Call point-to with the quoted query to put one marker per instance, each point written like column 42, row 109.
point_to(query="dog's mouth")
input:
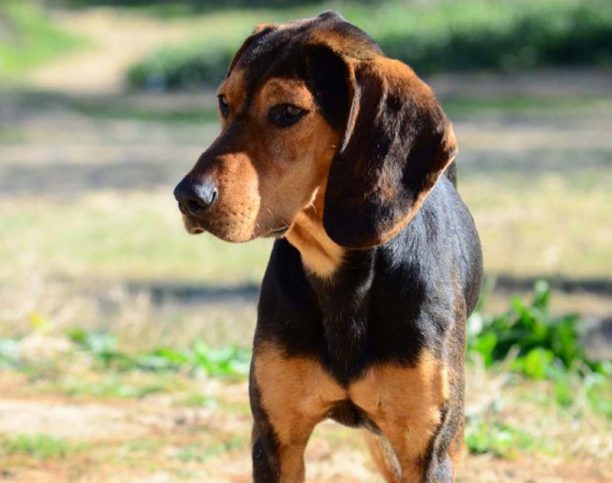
column 277, row 232
column 195, row 226
column 195, row 230
column 192, row 225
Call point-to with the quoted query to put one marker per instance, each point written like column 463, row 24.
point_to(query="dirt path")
column 150, row 441
column 160, row 438
column 118, row 39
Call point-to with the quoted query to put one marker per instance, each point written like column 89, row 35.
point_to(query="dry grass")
column 538, row 227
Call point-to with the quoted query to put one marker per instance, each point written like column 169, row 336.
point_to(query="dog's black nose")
column 195, row 198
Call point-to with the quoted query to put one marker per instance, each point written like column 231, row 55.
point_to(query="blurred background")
column 124, row 342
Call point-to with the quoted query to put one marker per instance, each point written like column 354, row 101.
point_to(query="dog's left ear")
column 396, row 145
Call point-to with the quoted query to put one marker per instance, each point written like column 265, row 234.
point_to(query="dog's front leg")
column 289, row 396
column 273, row 460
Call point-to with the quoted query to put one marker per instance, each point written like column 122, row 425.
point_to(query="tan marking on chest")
column 320, row 254
column 404, row 402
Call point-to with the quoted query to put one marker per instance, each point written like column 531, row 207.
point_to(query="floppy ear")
column 396, row 145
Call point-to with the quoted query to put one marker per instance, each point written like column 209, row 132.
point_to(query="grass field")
column 124, row 341
column 93, row 241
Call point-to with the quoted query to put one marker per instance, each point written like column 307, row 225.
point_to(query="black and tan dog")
column 345, row 156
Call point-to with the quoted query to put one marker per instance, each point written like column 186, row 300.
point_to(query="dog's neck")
column 345, row 331
column 320, row 254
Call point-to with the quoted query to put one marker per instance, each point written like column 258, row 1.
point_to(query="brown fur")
column 384, row 457
column 256, row 176
column 340, row 180
column 403, row 402
column 296, row 395
column 320, row 254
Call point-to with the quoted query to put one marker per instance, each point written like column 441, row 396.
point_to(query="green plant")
column 503, row 36
column 226, row 361
column 497, row 438
column 539, row 342
column 103, row 346
column 530, row 341
column 183, row 67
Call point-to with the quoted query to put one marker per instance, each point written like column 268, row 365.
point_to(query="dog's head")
column 314, row 109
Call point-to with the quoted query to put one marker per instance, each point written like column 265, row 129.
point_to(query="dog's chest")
column 345, row 322
column 366, row 318
column 387, row 396
column 361, row 318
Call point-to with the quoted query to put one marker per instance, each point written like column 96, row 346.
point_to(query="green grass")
column 204, row 110
column 39, row 446
column 464, row 107
column 526, row 340
column 28, row 38
column 431, row 36
column 118, row 108
column 566, row 386
column 542, row 214
column 166, row 9
column 198, row 400
column 102, row 348
column 110, row 386
column 138, row 108
column 202, row 60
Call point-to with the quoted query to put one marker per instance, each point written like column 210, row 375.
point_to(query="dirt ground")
column 155, row 440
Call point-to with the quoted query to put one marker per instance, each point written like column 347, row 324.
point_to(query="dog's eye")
column 223, row 105
column 285, row 115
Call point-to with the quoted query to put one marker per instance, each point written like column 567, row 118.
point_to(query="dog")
column 345, row 157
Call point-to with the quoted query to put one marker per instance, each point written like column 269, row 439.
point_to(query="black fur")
column 386, row 303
